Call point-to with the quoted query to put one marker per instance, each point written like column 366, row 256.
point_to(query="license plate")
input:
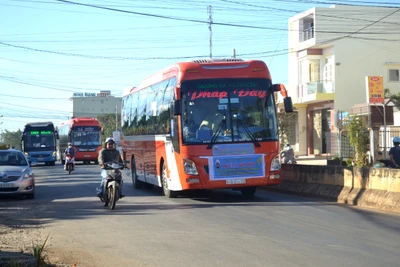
column 236, row 181
column 87, row 156
column 6, row 185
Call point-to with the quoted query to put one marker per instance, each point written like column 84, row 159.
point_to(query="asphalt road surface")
column 218, row 228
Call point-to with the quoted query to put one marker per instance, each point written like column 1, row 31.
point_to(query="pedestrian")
column 394, row 153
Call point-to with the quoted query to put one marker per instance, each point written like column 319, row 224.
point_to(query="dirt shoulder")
column 20, row 232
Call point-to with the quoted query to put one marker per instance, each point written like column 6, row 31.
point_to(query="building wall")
column 353, row 65
column 362, row 41
column 94, row 106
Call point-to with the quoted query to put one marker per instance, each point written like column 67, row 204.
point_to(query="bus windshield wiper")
column 239, row 122
column 216, row 134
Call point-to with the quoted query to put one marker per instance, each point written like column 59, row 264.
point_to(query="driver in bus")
column 212, row 120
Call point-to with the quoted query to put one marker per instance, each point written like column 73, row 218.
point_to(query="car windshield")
column 12, row 158
column 228, row 110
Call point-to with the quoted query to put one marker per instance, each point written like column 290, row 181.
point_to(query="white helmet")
column 396, row 139
column 110, row 139
column 69, row 144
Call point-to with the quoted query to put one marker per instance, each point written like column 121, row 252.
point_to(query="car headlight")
column 275, row 164
column 28, row 175
column 190, row 167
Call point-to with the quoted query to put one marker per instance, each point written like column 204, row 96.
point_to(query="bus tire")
column 168, row 193
column 137, row 184
column 248, row 192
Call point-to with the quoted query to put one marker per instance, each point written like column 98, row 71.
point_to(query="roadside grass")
column 39, row 258
column 39, row 255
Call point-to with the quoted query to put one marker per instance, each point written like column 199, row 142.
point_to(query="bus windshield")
column 86, row 136
column 38, row 139
column 228, row 110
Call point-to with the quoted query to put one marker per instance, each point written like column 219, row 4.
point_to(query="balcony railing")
column 315, row 87
column 307, row 34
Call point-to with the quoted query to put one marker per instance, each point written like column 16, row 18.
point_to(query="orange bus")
column 85, row 136
column 206, row 124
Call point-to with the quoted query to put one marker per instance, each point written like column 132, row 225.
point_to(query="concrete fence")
column 377, row 188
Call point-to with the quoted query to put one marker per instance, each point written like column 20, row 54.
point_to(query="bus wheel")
column 168, row 193
column 248, row 192
column 137, row 184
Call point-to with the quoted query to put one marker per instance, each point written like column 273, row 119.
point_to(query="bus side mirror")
column 177, row 108
column 287, row 103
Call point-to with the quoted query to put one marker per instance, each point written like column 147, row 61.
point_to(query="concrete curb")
column 364, row 187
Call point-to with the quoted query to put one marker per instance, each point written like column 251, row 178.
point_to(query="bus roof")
column 39, row 124
column 82, row 121
column 209, row 69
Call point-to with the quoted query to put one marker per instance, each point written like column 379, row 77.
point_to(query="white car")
column 16, row 175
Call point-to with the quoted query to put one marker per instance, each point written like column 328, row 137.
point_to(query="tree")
column 286, row 126
column 107, row 121
column 394, row 98
column 12, row 139
column 358, row 137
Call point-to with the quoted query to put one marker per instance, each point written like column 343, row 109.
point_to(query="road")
column 204, row 229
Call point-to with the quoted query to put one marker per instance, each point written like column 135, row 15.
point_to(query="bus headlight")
column 275, row 164
column 190, row 167
column 26, row 154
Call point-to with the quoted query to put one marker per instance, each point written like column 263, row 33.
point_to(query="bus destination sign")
column 40, row 132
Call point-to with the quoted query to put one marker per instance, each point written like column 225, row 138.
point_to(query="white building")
column 93, row 104
column 331, row 51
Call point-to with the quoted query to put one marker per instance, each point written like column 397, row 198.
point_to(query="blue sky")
column 50, row 49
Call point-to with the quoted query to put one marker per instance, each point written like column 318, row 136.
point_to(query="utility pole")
column 209, row 11
column 116, row 117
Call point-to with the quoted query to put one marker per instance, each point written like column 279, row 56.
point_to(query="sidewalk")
column 311, row 160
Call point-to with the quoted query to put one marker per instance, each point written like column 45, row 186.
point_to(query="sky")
column 50, row 49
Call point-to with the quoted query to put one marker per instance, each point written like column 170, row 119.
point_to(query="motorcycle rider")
column 69, row 151
column 108, row 154
column 287, row 155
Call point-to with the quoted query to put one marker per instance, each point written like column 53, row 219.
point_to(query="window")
column 394, row 75
column 314, row 70
column 328, row 69
column 309, row 71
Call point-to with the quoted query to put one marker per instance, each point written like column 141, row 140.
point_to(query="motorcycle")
column 69, row 163
column 112, row 187
column 287, row 155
